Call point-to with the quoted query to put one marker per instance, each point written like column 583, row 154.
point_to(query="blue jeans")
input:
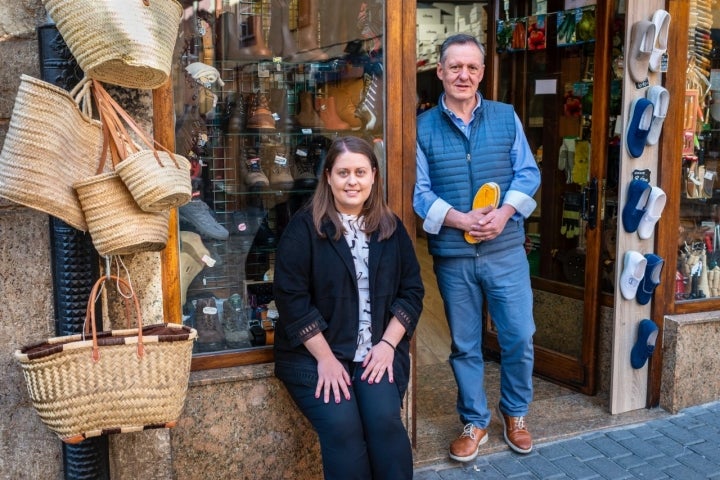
column 501, row 279
column 363, row 438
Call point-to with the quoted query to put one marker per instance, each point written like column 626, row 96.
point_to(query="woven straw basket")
column 116, row 223
column 50, row 144
column 116, row 382
column 123, row 42
column 158, row 179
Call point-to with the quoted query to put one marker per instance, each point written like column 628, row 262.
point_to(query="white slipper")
column 653, row 211
column 633, row 272
column 642, row 36
column 661, row 20
column 660, row 99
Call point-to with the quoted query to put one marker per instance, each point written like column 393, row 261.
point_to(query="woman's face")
column 351, row 180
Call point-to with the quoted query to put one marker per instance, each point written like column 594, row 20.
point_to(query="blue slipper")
column 636, row 204
column 641, row 115
column 645, row 344
column 650, row 280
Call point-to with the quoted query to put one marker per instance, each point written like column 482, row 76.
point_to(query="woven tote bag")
column 117, row 381
column 51, row 143
column 124, row 42
column 158, row 179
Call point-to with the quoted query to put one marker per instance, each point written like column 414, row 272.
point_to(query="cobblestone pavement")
column 685, row 446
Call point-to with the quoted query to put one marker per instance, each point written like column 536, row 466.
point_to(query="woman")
column 349, row 295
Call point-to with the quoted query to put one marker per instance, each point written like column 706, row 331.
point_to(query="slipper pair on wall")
column 648, row 44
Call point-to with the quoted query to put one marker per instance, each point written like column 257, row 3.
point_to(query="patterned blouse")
column 358, row 242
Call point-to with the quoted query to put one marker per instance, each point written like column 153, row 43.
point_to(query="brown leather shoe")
column 465, row 447
column 515, row 432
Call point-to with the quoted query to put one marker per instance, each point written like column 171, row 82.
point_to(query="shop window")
column 698, row 268
column 261, row 89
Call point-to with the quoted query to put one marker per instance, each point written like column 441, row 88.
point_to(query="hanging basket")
column 158, row 179
column 51, row 143
column 118, row 381
column 124, row 42
column 117, row 225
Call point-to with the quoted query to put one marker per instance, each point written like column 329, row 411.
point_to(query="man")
column 463, row 143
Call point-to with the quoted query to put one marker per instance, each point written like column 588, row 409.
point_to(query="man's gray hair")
column 460, row 39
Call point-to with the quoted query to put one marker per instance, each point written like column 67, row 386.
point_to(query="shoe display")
column 207, row 323
column 280, row 176
column 641, row 117
column 661, row 21
column 653, row 211
column 254, row 176
column 635, row 204
column 632, row 274
column 642, row 42
column 259, row 115
column 515, row 433
column 234, row 322
column 651, row 278
column 645, row 343
column 328, row 114
column 305, row 176
column 660, row 98
column 465, row 447
column 197, row 214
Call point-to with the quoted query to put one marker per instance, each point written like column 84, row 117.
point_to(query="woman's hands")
column 379, row 360
column 332, row 378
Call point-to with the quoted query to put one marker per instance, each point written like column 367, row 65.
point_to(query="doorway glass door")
column 545, row 59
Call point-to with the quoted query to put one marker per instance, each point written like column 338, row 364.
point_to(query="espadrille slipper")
column 487, row 195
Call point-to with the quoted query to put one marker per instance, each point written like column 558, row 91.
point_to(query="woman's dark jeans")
column 363, row 438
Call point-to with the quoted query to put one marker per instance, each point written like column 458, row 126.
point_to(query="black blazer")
column 315, row 291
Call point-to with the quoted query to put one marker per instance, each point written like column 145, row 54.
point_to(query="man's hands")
column 487, row 223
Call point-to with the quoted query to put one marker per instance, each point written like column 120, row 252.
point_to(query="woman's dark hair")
column 378, row 216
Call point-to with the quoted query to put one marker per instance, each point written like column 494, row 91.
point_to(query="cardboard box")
column 430, row 32
column 445, row 7
column 428, row 15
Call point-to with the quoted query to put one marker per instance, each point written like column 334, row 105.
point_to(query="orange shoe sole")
column 487, row 195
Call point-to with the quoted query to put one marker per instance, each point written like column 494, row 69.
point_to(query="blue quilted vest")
column 458, row 166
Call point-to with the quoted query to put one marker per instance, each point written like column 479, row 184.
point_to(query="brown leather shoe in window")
column 515, row 432
column 465, row 447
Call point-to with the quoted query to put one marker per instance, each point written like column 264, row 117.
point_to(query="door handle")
column 590, row 203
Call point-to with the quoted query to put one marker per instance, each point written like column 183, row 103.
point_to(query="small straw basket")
column 118, row 381
column 124, row 42
column 158, row 179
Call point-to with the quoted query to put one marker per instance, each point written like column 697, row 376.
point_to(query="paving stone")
column 609, row 447
column 607, row 468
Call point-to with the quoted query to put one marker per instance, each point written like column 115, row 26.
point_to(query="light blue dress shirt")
column 526, row 178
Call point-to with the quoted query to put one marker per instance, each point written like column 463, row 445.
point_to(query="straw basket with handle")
column 117, row 225
column 124, row 42
column 158, row 179
column 118, row 381
column 52, row 142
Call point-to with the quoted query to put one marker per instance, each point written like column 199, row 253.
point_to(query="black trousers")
column 363, row 438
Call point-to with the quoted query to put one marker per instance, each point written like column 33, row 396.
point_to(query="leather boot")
column 260, row 115
column 307, row 33
column 280, row 176
column 308, row 117
column 235, row 126
column 253, row 43
column 347, row 96
column 228, row 34
column 328, row 113
column 253, row 172
column 337, row 27
column 279, row 107
column 281, row 41
column 305, row 173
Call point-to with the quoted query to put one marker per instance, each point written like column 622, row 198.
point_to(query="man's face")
column 461, row 72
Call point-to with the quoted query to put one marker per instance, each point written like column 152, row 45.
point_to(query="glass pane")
column 546, row 71
column 262, row 87
column 698, row 272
